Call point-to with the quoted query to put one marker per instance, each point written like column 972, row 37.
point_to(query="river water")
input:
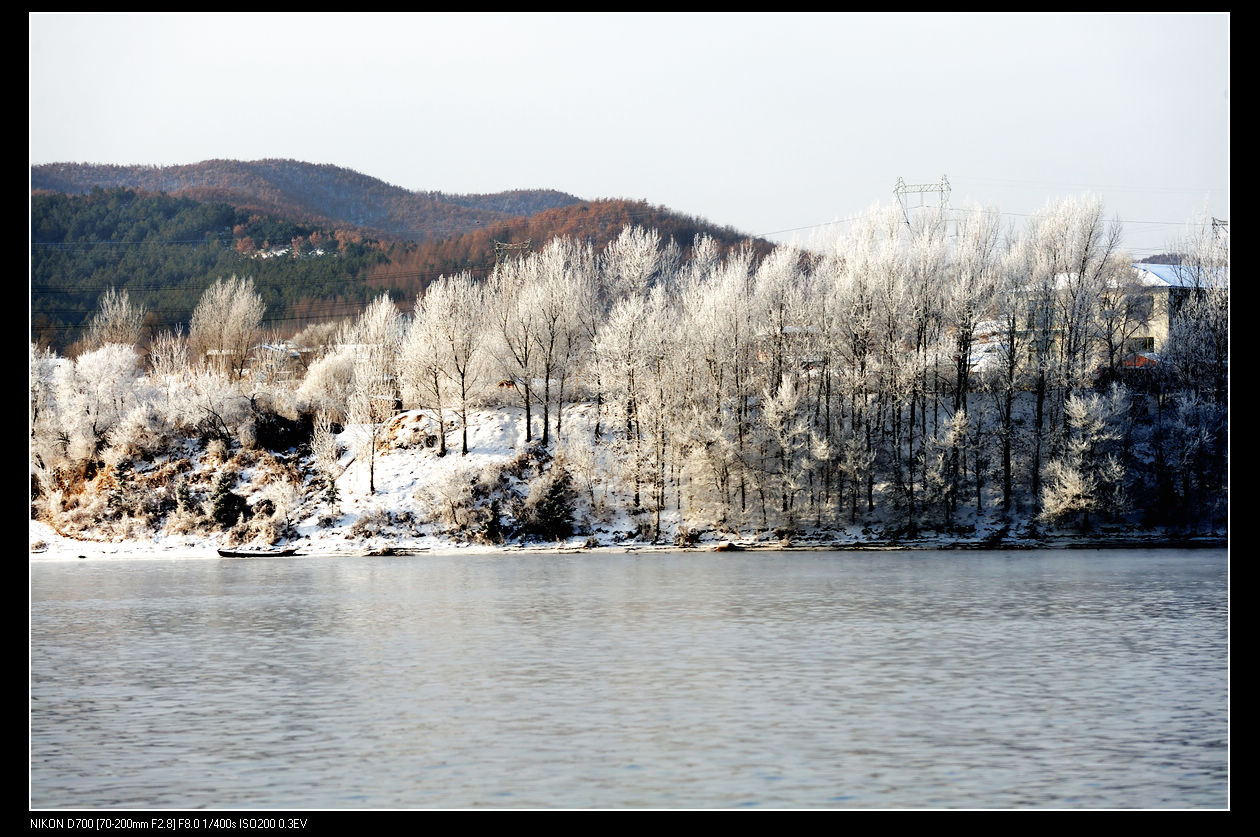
column 1065, row 679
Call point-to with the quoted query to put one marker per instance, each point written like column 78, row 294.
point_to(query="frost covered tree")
column 326, row 454
column 46, row 444
column 95, row 394
column 421, row 357
column 443, row 351
column 784, row 446
column 1089, row 475
column 1190, row 437
column 1073, row 254
column 718, row 321
column 1198, row 341
column 925, row 267
column 659, row 407
column 624, row 377
column 557, row 293
column 168, row 356
column 1124, row 309
column 218, row 407
column 852, row 269
column 631, row 263
column 971, row 282
column 1004, row 378
column 513, row 327
column 968, row 299
column 947, row 455
column 376, row 337
column 225, row 324
column 90, row 419
column 778, row 301
column 328, row 382
column 43, row 363
column 886, row 380
column 116, row 321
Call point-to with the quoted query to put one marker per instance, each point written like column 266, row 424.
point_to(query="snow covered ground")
column 411, row 483
column 415, row 489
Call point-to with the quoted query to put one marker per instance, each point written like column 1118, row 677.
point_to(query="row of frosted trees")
column 905, row 374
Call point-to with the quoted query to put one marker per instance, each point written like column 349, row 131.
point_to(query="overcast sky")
column 775, row 124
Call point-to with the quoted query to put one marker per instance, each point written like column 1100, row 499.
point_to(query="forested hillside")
column 412, row 266
column 322, row 195
column 166, row 250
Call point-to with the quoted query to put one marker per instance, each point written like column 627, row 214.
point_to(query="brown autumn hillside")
column 412, row 266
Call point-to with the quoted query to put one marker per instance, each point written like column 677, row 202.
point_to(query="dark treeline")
column 165, row 251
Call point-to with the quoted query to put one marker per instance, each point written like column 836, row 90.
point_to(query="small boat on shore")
column 257, row 553
column 395, row 551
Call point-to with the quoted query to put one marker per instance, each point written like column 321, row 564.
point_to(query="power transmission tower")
column 1220, row 229
column 503, row 250
column 902, row 191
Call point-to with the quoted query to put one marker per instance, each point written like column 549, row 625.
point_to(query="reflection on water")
column 1059, row 679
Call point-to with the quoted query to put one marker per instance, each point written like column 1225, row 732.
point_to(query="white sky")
column 774, row 124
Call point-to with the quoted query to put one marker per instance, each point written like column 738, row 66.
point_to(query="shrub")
column 226, row 506
column 548, row 512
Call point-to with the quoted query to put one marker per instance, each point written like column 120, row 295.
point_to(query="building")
column 1168, row 287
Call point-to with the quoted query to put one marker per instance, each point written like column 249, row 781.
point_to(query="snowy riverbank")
column 423, row 502
column 47, row 545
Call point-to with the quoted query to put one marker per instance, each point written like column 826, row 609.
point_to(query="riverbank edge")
column 46, row 544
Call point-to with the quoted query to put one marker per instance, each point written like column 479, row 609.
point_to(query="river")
column 1058, row 678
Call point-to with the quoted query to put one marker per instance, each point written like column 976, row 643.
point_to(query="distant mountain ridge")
column 315, row 193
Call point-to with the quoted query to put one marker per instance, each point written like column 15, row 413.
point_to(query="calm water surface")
column 920, row 679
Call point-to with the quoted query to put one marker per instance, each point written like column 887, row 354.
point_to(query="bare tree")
column 225, row 323
column 1124, row 308
column 1198, row 344
column 452, row 315
column 376, row 337
column 116, row 321
column 421, row 363
column 631, row 263
column 514, row 324
column 557, row 295
column 1074, row 253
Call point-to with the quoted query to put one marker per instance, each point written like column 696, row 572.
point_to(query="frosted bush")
column 373, row 522
column 184, row 521
column 92, row 396
column 327, row 384
column 246, row 435
column 282, row 500
column 216, row 452
column 449, row 500
column 88, row 513
column 139, row 432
